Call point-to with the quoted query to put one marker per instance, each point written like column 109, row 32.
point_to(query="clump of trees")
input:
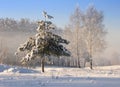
column 10, row 24
column 87, row 33
column 44, row 44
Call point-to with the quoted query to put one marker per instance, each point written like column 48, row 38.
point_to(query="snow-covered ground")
column 11, row 76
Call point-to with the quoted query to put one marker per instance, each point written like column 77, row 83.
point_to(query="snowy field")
column 108, row 76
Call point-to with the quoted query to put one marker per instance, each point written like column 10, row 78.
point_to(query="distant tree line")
column 24, row 24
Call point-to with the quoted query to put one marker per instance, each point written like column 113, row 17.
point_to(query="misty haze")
column 59, row 43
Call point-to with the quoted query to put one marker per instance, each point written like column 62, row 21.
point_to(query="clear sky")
column 61, row 10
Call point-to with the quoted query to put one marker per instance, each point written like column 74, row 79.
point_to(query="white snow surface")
column 107, row 76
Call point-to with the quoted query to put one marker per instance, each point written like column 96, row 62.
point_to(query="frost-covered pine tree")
column 44, row 43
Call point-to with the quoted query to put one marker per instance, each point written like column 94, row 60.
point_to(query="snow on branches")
column 44, row 43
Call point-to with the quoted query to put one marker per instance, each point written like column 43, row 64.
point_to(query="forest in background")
column 14, row 32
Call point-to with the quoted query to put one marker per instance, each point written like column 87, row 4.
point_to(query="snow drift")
column 14, row 69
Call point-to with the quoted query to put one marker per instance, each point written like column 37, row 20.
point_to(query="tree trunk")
column 91, row 64
column 79, row 66
column 58, row 61
column 42, row 64
column 84, row 63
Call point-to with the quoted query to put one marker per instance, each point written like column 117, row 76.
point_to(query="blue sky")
column 61, row 10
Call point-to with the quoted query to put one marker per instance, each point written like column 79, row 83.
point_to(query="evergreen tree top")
column 44, row 43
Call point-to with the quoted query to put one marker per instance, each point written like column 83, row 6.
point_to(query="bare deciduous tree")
column 87, row 34
column 94, row 32
column 75, row 28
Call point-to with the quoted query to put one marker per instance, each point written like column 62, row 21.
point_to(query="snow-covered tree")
column 75, row 28
column 44, row 43
column 88, row 34
column 94, row 32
